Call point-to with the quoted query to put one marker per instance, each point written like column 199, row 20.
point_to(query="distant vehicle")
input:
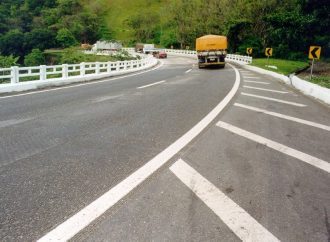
column 139, row 47
column 159, row 54
column 211, row 50
column 144, row 48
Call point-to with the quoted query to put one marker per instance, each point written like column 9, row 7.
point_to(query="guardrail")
column 15, row 75
column 230, row 57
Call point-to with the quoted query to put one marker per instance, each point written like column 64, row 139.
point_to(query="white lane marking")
column 84, row 217
column 274, row 99
column 264, row 89
column 251, row 77
column 10, row 122
column 236, row 218
column 265, row 83
column 152, row 84
column 106, row 98
column 188, row 70
column 279, row 115
column 321, row 164
column 83, row 84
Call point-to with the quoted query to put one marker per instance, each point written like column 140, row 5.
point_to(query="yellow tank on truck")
column 211, row 50
column 211, row 42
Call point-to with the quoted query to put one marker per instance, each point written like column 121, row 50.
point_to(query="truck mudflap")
column 209, row 64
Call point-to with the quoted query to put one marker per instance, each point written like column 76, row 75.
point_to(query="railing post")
column 43, row 73
column 14, row 75
column 109, row 66
column 82, row 69
column 97, row 68
column 65, row 73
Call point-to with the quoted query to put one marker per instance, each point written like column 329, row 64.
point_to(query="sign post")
column 249, row 51
column 314, row 53
column 268, row 52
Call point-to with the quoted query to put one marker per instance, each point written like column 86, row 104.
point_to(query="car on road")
column 160, row 54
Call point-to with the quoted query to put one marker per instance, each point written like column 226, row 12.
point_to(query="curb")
column 307, row 88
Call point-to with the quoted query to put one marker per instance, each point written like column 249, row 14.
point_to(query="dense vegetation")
column 289, row 26
column 42, row 24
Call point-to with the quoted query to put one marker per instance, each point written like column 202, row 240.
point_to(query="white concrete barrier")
column 308, row 88
column 29, row 78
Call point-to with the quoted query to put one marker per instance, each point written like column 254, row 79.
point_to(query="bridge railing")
column 230, row 57
column 16, row 74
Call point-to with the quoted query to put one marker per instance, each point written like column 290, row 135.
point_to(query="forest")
column 28, row 27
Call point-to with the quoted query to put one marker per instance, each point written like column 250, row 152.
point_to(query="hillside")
column 289, row 28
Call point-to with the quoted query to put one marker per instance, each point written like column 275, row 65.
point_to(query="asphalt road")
column 252, row 175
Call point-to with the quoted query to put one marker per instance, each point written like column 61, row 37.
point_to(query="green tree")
column 12, row 43
column 65, row 38
column 35, row 58
column 8, row 61
column 39, row 39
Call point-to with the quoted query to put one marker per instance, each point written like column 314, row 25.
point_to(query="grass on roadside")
column 323, row 81
column 285, row 67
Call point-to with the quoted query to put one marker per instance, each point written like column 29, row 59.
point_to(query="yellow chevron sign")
column 314, row 52
column 269, row 52
column 249, row 51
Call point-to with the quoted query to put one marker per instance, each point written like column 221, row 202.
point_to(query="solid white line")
column 324, row 165
column 264, row 89
column 274, row 99
column 84, row 217
column 152, row 84
column 265, row 83
column 279, row 115
column 236, row 218
column 188, row 70
column 82, row 84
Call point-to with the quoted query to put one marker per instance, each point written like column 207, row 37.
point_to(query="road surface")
column 256, row 168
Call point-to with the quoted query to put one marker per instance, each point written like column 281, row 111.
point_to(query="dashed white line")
column 279, row 115
column 188, row 71
column 274, row 99
column 235, row 217
column 84, row 217
column 251, row 77
column 152, row 84
column 264, row 83
column 82, row 84
column 321, row 164
column 264, row 89
column 107, row 98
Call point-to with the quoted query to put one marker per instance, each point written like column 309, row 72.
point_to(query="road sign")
column 314, row 52
column 269, row 52
column 249, row 51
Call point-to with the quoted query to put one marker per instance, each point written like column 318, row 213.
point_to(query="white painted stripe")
column 264, row 89
column 235, row 217
column 265, row 83
column 251, row 77
column 279, row 115
column 274, row 99
column 152, row 84
column 188, row 70
column 324, row 165
column 82, row 84
column 106, row 98
column 84, row 217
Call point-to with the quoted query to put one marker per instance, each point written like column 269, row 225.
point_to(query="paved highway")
column 81, row 162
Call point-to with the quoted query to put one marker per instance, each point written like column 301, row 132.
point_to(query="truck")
column 211, row 50
column 144, row 48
